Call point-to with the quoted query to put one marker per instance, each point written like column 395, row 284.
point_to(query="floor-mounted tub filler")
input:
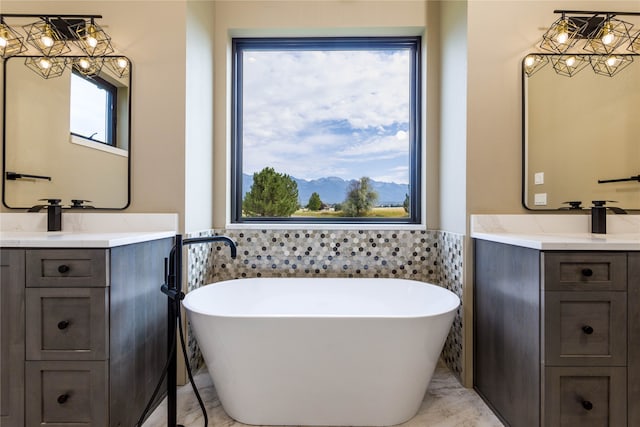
column 321, row 351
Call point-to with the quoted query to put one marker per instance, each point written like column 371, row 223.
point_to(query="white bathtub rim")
column 450, row 307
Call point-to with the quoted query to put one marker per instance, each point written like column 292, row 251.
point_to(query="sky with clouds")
column 314, row 114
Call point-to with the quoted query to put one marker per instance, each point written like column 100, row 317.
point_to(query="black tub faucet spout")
column 209, row 239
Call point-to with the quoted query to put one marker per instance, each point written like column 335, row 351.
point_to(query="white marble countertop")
column 558, row 232
column 84, row 230
column 61, row 239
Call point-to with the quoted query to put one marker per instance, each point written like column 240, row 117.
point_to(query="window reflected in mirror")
column 93, row 109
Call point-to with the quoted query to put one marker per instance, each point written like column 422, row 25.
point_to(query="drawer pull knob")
column 63, row 324
column 587, row 405
column 63, row 269
column 63, row 398
column 587, row 272
column 587, row 329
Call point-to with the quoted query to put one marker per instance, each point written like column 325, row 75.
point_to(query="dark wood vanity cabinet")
column 557, row 335
column 12, row 337
column 87, row 339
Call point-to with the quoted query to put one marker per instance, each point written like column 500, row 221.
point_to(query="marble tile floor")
column 446, row 404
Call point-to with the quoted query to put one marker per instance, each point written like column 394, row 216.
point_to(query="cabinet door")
column 506, row 331
column 67, row 323
column 67, row 268
column 585, row 328
column 634, row 338
column 66, row 394
column 584, row 271
column 585, row 397
column 12, row 338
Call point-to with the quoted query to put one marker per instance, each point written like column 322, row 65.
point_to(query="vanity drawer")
column 61, row 394
column 585, row 271
column 67, row 323
column 67, row 268
column 585, row 328
column 585, row 397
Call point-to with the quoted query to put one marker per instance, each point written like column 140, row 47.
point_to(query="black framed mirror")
column 581, row 138
column 67, row 137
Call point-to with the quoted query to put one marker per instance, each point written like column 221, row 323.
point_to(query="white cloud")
column 377, row 146
column 293, row 119
column 399, row 175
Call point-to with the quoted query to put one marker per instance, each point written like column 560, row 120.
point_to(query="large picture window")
column 326, row 130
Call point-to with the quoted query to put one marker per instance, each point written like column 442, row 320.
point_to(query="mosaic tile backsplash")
column 429, row 256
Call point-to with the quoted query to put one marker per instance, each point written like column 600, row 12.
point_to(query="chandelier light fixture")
column 11, row 43
column 47, row 67
column 609, row 65
column 92, row 39
column 87, row 65
column 119, row 65
column 46, row 38
column 609, row 36
column 569, row 65
column 534, row 62
column 563, row 34
column 580, row 38
column 54, row 42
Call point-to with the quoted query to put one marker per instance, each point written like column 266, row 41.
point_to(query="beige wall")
column 152, row 34
column 500, row 34
column 292, row 18
column 453, row 111
column 199, row 129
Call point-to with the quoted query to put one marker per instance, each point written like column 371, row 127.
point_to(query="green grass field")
column 397, row 212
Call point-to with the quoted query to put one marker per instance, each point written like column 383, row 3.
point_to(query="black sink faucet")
column 54, row 213
column 599, row 215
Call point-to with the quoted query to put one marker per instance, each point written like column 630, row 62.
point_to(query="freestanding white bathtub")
column 321, row 351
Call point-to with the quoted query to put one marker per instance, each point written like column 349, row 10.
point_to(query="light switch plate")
column 538, row 178
column 540, row 199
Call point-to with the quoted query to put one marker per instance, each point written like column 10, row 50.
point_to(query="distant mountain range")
column 334, row 190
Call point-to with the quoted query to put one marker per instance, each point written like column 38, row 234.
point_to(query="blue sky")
column 354, row 126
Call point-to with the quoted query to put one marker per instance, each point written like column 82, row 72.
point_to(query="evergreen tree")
column 272, row 194
column 405, row 204
column 360, row 198
column 315, row 204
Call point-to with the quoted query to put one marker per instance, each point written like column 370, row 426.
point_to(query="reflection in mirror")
column 72, row 129
column 578, row 131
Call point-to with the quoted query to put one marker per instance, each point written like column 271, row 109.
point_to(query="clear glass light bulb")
column 529, row 61
column 4, row 37
column 562, row 37
column 122, row 62
column 612, row 61
column 570, row 61
column 607, row 35
column 563, row 32
column 47, row 37
column 44, row 63
column 47, row 41
column 84, row 63
column 91, row 39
